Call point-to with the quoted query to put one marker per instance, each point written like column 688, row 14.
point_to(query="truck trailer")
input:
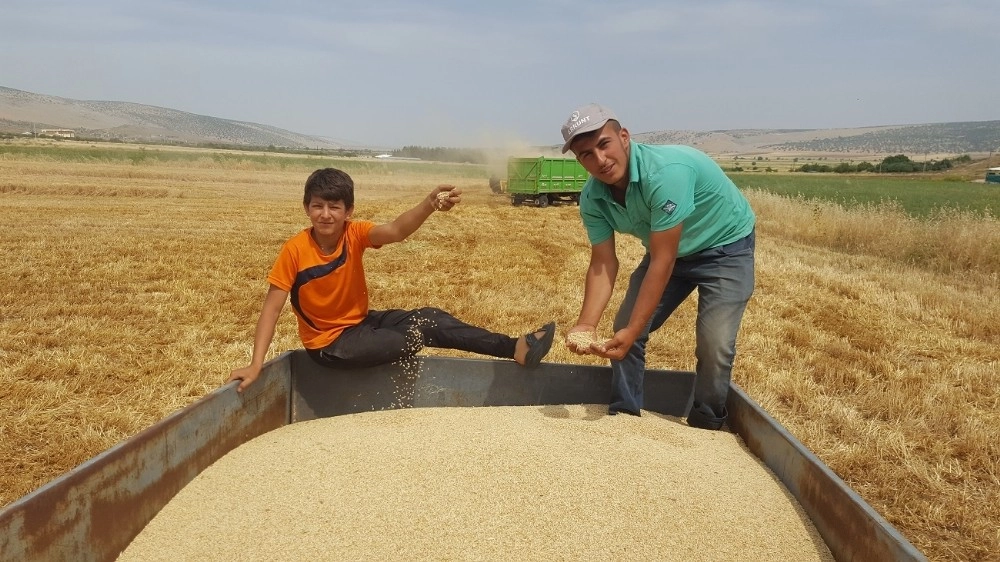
column 94, row 511
column 541, row 181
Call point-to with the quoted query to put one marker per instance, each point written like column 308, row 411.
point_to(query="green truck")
column 541, row 181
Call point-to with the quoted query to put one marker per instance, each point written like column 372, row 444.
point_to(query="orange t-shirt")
column 328, row 293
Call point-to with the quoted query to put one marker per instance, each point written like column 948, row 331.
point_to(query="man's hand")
column 617, row 347
column 247, row 375
column 444, row 197
column 580, row 339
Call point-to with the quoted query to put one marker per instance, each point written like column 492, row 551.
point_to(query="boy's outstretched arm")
column 443, row 198
column 273, row 303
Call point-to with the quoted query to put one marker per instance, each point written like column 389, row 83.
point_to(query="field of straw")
column 130, row 289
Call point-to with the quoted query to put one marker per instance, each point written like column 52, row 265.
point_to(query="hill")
column 22, row 111
column 979, row 137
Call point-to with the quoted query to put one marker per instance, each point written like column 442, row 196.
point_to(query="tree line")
column 898, row 164
column 443, row 154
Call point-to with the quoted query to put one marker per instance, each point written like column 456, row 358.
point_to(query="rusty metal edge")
column 93, row 512
column 852, row 529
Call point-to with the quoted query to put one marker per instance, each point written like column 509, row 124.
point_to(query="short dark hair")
column 330, row 184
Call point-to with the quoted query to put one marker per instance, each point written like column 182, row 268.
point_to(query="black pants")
column 387, row 336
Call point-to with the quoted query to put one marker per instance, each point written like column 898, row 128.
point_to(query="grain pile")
column 499, row 483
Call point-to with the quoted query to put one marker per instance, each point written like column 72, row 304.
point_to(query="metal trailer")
column 95, row 510
column 541, row 180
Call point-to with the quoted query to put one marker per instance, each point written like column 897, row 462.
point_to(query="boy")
column 321, row 270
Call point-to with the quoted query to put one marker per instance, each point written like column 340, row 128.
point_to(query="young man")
column 322, row 271
column 698, row 231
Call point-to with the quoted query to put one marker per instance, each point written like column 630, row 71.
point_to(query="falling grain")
column 442, row 198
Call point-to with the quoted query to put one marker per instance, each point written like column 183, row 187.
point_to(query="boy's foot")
column 531, row 348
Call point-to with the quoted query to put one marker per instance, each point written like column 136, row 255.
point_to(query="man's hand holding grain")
column 444, row 197
column 583, row 340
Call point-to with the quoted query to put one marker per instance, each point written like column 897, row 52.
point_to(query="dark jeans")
column 387, row 336
column 724, row 277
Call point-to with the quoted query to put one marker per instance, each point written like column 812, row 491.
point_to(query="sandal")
column 538, row 347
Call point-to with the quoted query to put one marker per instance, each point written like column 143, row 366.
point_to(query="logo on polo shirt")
column 669, row 207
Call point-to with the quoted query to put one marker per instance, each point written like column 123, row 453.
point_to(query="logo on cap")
column 585, row 119
column 577, row 123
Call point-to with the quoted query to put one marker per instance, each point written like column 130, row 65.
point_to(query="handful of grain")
column 583, row 340
column 442, row 198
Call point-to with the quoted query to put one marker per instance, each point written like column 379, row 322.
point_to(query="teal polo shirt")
column 669, row 185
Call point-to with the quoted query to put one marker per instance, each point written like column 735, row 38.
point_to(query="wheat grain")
column 492, row 483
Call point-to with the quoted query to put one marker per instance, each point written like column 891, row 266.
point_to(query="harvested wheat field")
column 499, row 483
column 131, row 280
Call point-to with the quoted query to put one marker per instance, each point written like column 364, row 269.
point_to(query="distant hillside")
column 22, row 111
column 936, row 138
column 940, row 138
column 25, row 111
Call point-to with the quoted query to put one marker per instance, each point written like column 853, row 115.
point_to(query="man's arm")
column 598, row 287
column 662, row 254
column 443, row 198
column 274, row 301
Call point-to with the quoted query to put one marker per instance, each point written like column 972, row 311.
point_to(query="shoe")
column 538, row 347
column 616, row 411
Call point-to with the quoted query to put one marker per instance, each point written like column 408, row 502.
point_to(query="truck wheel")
column 515, row 200
column 542, row 201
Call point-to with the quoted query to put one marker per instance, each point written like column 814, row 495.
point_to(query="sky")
column 467, row 73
